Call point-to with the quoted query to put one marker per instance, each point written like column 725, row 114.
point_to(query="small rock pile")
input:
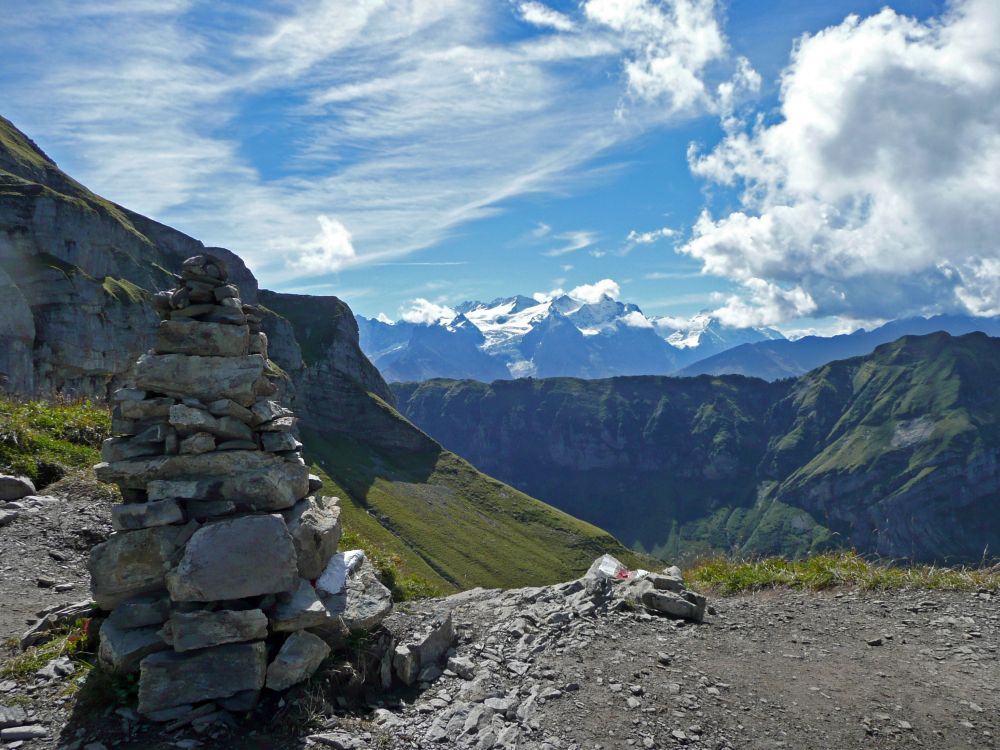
column 222, row 577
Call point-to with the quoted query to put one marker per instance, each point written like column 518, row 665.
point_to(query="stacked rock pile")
column 209, row 576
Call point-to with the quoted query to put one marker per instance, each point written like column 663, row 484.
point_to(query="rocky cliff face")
column 76, row 276
column 895, row 453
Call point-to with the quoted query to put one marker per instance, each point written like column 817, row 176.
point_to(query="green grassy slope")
column 452, row 525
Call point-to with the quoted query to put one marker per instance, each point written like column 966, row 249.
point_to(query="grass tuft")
column 726, row 576
column 45, row 440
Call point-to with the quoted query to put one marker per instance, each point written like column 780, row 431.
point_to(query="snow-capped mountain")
column 543, row 337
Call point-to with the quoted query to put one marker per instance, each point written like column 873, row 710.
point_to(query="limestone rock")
column 169, row 679
column 145, row 515
column 234, row 559
column 194, row 630
column 206, row 378
column 299, row 658
column 198, row 443
column 315, row 528
column 140, row 611
column 132, row 563
column 299, row 610
column 154, row 408
column 250, row 478
column 361, row 601
column 279, row 442
column 205, row 339
column 14, row 488
column 122, row 649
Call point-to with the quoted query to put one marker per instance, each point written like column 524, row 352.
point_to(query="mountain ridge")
column 865, row 452
column 77, row 274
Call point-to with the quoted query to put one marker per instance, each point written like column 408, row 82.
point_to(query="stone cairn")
column 222, row 577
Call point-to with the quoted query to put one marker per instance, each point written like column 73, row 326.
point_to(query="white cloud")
column 636, row 319
column 571, row 242
column 538, row 14
column 875, row 193
column 647, row 238
column 670, row 44
column 541, row 230
column 426, row 312
column 388, row 114
column 592, row 293
column 383, row 318
column 329, row 251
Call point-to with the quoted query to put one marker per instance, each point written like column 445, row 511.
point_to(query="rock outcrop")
column 208, row 577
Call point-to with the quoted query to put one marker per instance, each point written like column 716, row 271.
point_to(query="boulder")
column 169, row 679
column 14, row 488
column 122, row 649
column 206, row 378
column 190, row 420
column 206, row 339
column 194, row 630
column 234, row 559
column 145, row 515
column 315, row 528
column 299, row 658
column 132, row 563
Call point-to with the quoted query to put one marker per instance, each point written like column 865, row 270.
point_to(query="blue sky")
column 796, row 164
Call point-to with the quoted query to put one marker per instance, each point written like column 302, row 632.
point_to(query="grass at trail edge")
column 725, row 576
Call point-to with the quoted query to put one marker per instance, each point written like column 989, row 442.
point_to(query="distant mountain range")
column 563, row 336
column 520, row 336
column 894, row 453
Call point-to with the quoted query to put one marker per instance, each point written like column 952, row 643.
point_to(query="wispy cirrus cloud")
column 571, row 242
column 383, row 122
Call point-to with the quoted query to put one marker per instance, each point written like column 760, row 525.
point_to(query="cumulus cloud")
column 648, row 238
column 426, row 312
column 875, row 193
column 538, row 14
column 636, row 319
column 671, row 44
column 329, row 250
column 591, row 293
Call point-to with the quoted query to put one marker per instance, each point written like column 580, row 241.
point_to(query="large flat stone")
column 234, row 559
column 189, row 420
column 206, row 339
column 122, row 649
column 252, row 479
column 205, row 378
column 132, row 563
column 299, row 658
column 299, row 610
column 194, row 630
column 315, row 527
column 168, row 679
column 141, row 611
column 130, row 516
